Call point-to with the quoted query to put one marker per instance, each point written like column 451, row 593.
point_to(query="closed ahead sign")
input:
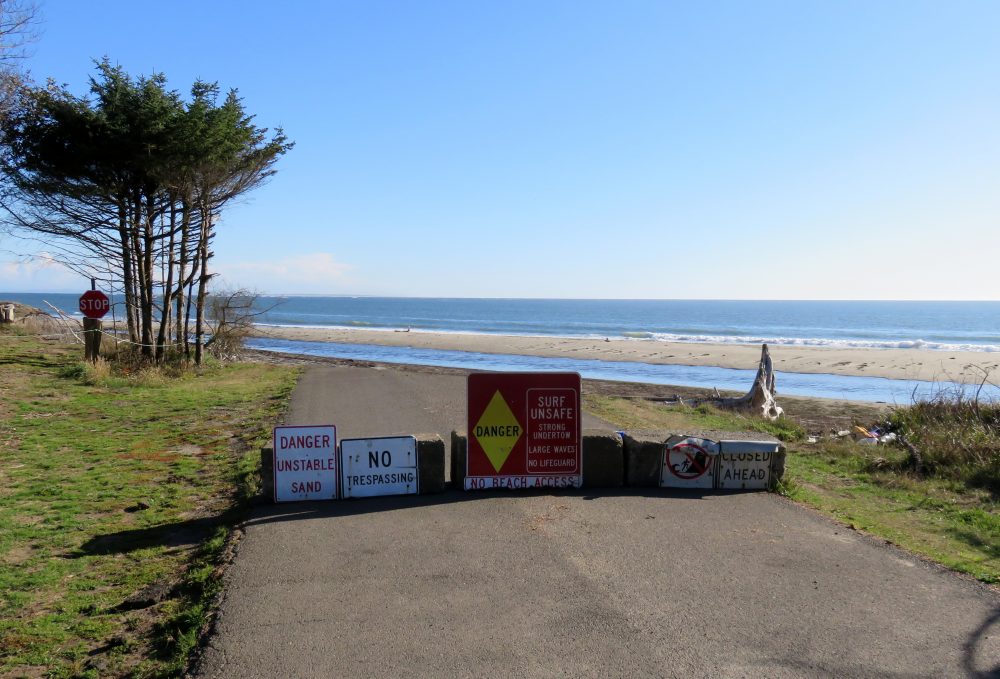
column 305, row 463
column 524, row 431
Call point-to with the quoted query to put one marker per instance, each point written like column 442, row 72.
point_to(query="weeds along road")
column 618, row 583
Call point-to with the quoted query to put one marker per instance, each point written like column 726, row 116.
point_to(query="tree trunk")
column 759, row 400
column 203, row 278
column 182, row 263
column 148, row 291
column 168, row 289
column 143, row 276
column 187, row 315
column 128, row 286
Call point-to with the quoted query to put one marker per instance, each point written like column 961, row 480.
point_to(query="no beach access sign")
column 524, row 431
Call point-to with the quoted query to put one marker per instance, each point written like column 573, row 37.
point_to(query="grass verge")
column 643, row 414
column 117, row 494
column 943, row 517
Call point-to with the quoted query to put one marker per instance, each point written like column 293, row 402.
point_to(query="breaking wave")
column 823, row 342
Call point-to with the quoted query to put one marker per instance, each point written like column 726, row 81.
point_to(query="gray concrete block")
column 643, row 455
column 777, row 467
column 430, row 463
column 267, row 473
column 603, row 459
column 742, row 446
column 458, row 461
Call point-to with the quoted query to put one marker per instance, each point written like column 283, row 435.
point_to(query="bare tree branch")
column 19, row 21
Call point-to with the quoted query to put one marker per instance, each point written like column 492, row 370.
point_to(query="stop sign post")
column 93, row 305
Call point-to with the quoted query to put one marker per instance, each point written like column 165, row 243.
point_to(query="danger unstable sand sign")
column 524, row 431
column 305, row 463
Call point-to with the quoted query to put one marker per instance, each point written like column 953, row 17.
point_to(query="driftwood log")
column 759, row 400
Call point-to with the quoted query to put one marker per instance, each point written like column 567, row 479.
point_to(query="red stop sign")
column 94, row 304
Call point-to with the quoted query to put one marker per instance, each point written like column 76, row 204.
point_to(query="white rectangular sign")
column 746, row 464
column 305, row 463
column 688, row 462
column 381, row 466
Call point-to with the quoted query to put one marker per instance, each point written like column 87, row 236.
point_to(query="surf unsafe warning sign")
column 525, row 431
column 305, row 463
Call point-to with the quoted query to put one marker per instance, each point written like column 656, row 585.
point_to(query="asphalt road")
column 635, row 584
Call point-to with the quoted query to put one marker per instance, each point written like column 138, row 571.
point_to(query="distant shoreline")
column 911, row 364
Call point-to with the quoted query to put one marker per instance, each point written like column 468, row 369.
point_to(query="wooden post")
column 92, row 339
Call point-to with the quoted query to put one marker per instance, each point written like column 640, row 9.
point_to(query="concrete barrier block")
column 777, row 467
column 603, row 459
column 267, row 473
column 430, row 463
column 458, row 448
column 643, row 455
column 748, row 447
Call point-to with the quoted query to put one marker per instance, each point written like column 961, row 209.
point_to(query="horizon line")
column 558, row 299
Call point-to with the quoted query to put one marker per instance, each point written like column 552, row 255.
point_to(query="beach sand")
column 912, row 364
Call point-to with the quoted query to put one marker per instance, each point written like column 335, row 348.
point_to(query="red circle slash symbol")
column 691, row 461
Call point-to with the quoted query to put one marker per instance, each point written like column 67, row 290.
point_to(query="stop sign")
column 94, row 304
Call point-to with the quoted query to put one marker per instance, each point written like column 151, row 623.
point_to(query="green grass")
column 114, row 485
column 642, row 414
column 941, row 517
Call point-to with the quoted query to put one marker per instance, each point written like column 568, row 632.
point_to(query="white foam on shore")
column 425, row 331
column 823, row 342
column 637, row 336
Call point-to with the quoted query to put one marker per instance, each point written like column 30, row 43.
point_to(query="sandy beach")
column 914, row 364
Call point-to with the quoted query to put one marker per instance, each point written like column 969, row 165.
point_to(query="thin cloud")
column 37, row 273
column 316, row 271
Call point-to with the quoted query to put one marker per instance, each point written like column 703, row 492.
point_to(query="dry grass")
column 954, row 436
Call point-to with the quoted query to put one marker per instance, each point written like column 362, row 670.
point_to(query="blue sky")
column 743, row 150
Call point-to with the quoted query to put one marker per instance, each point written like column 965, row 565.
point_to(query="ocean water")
column 972, row 326
column 918, row 326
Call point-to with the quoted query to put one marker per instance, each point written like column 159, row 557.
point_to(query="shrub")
column 953, row 436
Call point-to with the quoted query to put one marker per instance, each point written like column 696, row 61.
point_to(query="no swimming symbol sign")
column 689, row 463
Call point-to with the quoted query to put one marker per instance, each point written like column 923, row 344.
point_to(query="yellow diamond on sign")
column 497, row 431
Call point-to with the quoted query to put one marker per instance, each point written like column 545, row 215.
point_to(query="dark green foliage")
column 132, row 179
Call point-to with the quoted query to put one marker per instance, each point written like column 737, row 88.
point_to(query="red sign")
column 524, row 431
column 94, row 304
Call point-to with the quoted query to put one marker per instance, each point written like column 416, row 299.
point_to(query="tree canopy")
column 128, row 184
